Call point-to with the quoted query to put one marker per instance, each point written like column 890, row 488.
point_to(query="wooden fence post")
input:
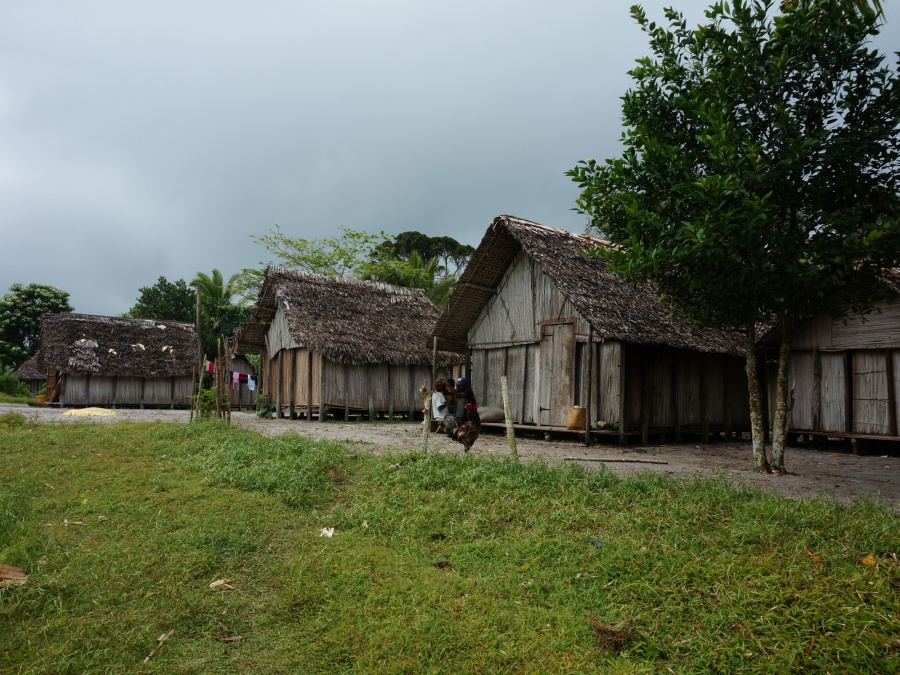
column 507, row 414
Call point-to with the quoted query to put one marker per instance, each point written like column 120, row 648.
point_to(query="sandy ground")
column 829, row 472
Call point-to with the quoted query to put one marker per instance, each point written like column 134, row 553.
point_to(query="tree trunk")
column 782, row 404
column 760, row 461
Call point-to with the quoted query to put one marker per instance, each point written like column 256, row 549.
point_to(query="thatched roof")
column 616, row 308
column 30, row 370
column 347, row 320
column 113, row 346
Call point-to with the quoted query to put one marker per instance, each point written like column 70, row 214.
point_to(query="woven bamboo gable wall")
column 845, row 376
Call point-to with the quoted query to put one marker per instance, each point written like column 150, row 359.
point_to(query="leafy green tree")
column 220, row 314
column 414, row 272
column 172, row 301
column 332, row 256
column 20, row 319
column 452, row 255
column 761, row 173
column 360, row 255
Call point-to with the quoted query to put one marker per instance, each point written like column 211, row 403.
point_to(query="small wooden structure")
column 31, row 374
column 111, row 361
column 241, row 394
column 535, row 305
column 845, row 373
column 338, row 346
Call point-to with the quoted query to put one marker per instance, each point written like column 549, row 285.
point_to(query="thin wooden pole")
column 507, row 414
column 193, row 375
column 230, row 379
column 425, row 390
column 434, row 361
column 218, row 377
column 588, row 385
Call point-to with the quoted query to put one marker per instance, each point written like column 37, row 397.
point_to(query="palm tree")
column 220, row 314
column 415, row 272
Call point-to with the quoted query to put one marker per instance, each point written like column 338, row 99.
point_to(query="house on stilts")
column 112, row 361
column 535, row 305
column 845, row 374
column 342, row 347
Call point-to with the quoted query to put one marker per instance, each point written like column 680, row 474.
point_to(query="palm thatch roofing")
column 616, row 308
column 346, row 320
column 109, row 346
column 30, row 370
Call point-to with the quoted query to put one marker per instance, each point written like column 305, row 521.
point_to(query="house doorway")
column 556, row 373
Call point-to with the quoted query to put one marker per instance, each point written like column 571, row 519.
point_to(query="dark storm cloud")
column 140, row 141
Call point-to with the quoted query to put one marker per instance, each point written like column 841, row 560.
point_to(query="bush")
column 206, row 402
column 10, row 384
column 264, row 407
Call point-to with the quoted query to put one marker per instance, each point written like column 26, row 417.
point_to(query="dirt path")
column 815, row 473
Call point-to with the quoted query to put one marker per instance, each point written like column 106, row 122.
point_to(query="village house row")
column 533, row 305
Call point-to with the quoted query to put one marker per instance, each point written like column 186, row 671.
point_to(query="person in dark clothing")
column 464, row 394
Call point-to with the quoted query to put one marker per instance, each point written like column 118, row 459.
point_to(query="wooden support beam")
column 309, row 384
column 623, row 436
column 322, row 413
column 292, row 411
column 891, row 393
column 370, row 392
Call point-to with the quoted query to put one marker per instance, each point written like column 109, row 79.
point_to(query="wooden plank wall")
column 93, row 390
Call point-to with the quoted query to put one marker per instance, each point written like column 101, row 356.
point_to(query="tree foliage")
column 220, row 314
column 20, row 319
column 760, row 177
column 409, row 259
column 452, row 256
column 172, row 301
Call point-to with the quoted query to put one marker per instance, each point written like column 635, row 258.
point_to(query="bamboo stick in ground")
column 507, row 414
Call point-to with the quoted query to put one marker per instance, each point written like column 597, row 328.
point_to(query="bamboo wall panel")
column 184, row 389
column 285, row 363
column 101, row 392
column 714, row 370
column 870, row 396
column 879, row 329
column 301, row 377
column 833, row 408
column 400, row 388
column 128, row 391
column 157, row 391
column 509, row 315
column 491, row 395
column 801, row 376
column 279, row 334
column 660, row 382
column 480, row 374
column 515, row 373
column 609, row 362
column 634, row 365
column 896, row 359
column 738, row 394
column 690, row 402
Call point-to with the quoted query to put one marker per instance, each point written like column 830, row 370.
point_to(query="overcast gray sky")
column 148, row 139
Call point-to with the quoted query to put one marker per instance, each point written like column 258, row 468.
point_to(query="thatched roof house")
column 341, row 344
column 533, row 297
column 31, row 374
column 105, row 360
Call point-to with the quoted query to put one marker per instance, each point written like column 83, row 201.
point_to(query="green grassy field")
column 442, row 564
